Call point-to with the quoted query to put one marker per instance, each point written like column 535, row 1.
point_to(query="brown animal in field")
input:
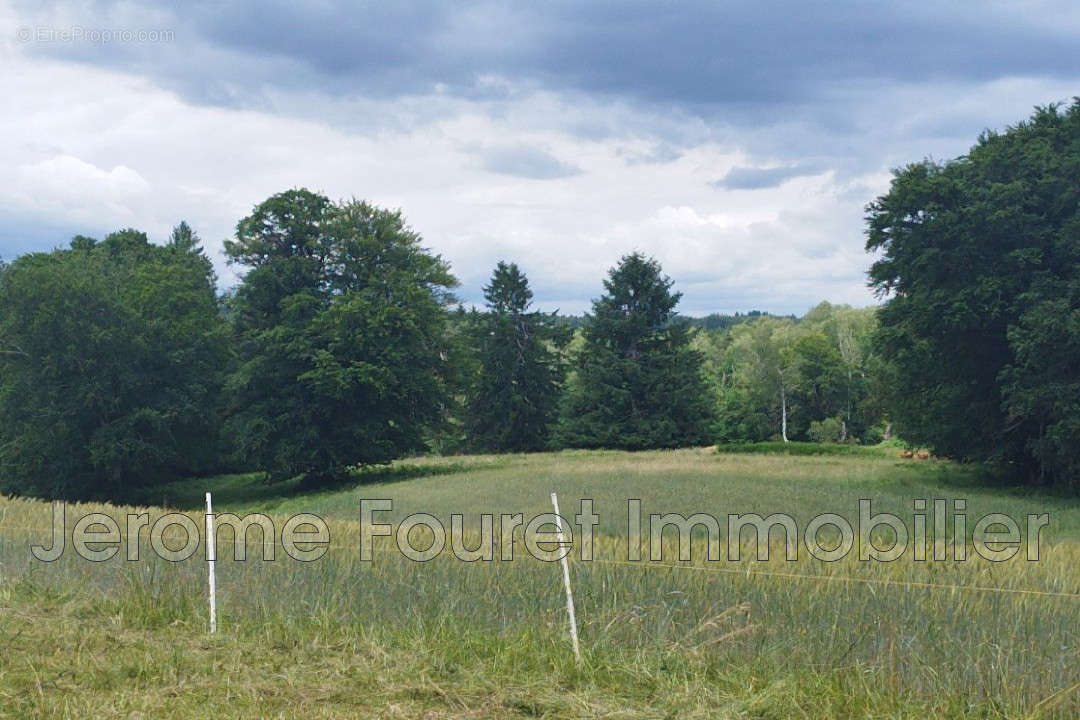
column 922, row 455
column 906, row 454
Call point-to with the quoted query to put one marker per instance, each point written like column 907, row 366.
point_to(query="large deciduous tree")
column 980, row 258
column 518, row 353
column 112, row 356
column 638, row 382
column 341, row 322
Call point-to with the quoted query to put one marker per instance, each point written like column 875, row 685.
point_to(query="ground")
column 341, row 637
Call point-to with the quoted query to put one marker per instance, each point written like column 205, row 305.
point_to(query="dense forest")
column 122, row 366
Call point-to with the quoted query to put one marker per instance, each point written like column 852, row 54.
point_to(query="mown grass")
column 684, row 481
column 394, row 638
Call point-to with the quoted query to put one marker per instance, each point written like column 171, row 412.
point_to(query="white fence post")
column 566, row 582
column 211, row 558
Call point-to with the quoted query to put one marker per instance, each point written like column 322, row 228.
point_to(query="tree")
column 111, row 363
column 822, row 381
column 514, row 400
column 781, row 377
column 764, row 379
column 638, row 382
column 1043, row 381
column 341, row 323
column 979, row 260
column 845, row 369
column 184, row 239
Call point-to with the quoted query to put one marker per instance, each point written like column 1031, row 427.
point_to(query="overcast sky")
column 736, row 142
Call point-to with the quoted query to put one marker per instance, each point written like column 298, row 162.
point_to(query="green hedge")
column 802, row 448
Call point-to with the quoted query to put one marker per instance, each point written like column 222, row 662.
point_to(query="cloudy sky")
column 736, row 142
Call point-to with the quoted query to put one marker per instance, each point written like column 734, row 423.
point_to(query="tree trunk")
column 783, row 412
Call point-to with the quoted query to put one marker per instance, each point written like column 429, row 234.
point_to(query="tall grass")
column 447, row 638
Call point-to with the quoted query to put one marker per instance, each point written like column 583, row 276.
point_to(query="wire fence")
column 44, row 535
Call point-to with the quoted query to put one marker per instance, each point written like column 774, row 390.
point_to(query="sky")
column 736, row 142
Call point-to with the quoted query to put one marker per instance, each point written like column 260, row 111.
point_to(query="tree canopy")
column 112, row 357
column 341, row 332
column 979, row 260
column 812, row 378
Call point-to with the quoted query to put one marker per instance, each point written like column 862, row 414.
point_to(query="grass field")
column 395, row 638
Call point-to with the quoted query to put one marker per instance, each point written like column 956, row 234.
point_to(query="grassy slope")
column 686, row 481
column 395, row 638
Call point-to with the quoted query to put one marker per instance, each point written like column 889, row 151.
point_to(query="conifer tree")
column 638, row 382
column 514, row 400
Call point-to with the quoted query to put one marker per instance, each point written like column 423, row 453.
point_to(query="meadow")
column 395, row 638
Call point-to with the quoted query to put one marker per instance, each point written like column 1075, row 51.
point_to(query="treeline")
column 343, row 346
column 817, row 378
column 712, row 321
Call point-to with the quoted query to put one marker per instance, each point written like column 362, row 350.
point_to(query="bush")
column 798, row 448
column 829, row 430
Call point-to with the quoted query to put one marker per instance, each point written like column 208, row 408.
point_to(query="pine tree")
column 514, row 399
column 638, row 381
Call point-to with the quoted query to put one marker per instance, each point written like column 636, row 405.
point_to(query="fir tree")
column 514, row 399
column 638, row 382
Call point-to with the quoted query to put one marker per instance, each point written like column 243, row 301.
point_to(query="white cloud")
column 66, row 184
column 562, row 183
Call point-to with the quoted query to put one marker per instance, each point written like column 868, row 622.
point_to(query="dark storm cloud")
column 677, row 90
column 748, row 59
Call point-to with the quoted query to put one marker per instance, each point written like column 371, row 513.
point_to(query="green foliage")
column 829, row 430
column 638, row 381
column 719, row 321
column 839, row 369
column 1043, row 381
column 341, row 329
column 513, row 401
column 980, row 256
column 801, row 448
column 813, row 369
column 762, row 372
column 111, row 363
